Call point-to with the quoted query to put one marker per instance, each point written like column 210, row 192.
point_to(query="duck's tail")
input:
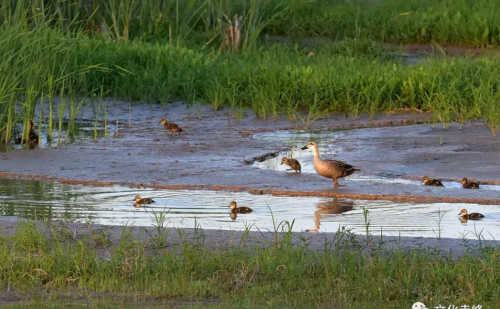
column 352, row 171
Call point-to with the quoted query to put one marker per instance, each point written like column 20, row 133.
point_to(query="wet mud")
column 215, row 151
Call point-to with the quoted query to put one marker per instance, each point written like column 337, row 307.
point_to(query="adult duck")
column 330, row 168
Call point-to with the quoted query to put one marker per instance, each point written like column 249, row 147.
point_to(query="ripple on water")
column 210, row 209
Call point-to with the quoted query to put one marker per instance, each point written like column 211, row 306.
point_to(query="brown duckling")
column 32, row 136
column 470, row 216
column 239, row 210
column 467, row 184
column 170, row 126
column 141, row 201
column 330, row 168
column 432, row 182
column 293, row 163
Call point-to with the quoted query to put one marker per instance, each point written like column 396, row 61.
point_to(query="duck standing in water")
column 293, row 163
column 170, row 126
column 432, row 182
column 467, row 184
column 142, row 201
column 239, row 210
column 471, row 216
column 330, row 168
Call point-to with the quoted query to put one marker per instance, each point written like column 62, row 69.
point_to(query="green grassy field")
column 122, row 49
column 50, row 267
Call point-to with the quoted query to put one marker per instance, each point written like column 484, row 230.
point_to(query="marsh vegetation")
column 50, row 262
column 64, row 54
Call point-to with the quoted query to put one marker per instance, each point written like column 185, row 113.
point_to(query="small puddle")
column 210, row 210
column 325, row 141
column 84, row 131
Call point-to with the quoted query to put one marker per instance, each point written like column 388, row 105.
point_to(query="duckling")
column 239, row 210
column 172, row 127
column 471, row 216
column 146, row 200
column 432, row 182
column 466, row 184
column 293, row 163
column 32, row 136
column 330, row 168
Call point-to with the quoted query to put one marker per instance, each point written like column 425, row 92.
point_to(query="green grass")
column 49, row 56
column 277, row 275
column 273, row 82
column 462, row 22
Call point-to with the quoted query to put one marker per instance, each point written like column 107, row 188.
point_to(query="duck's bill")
column 281, row 163
column 304, row 148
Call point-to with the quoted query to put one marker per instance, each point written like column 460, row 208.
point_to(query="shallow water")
column 210, row 210
column 84, row 132
column 325, row 140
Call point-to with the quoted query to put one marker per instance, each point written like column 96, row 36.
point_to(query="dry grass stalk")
column 231, row 34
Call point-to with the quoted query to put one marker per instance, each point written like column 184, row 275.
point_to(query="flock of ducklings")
column 466, row 183
column 235, row 210
column 337, row 169
column 332, row 169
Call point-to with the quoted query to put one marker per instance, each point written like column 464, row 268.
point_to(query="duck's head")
column 32, row 124
column 284, row 160
column 163, row 121
column 464, row 181
column 309, row 146
column 463, row 212
column 137, row 198
column 233, row 205
column 425, row 179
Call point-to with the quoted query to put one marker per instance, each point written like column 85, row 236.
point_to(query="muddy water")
column 83, row 132
column 209, row 209
column 325, row 140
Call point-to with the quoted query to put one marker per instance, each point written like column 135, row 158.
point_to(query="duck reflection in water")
column 332, row 207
